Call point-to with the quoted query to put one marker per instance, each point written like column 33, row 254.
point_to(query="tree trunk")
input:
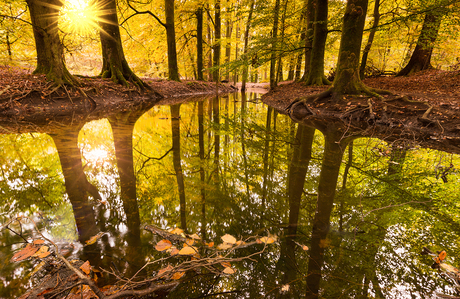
column 173, row 69
column 50, row 51
column 274, row 47
column 368, row 46
column 347, row 80
column 114, row 64
column 316, row 72
column 421, row 57
column 309, row 30
column 199, row 43
column 217, row 45
column 245, row 49
column 228, row 44
column 175, row 127
column 202, row 172
column 279, row 72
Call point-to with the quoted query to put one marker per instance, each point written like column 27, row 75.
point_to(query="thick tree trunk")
column 199, row 43
column 274, row 48
column 114, row 64
column 370, row 40
column 246, row 43
column 421, row 57
column 347, row 80
column 316, row 72
column 217, row 45
column 50, row 51
column 173, row 69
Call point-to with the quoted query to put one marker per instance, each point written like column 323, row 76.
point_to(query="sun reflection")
column 96, row 155
column 79, row 16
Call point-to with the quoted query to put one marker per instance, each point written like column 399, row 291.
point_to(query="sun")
column 79, row 16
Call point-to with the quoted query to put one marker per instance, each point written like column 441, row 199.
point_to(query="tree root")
column 298, row 109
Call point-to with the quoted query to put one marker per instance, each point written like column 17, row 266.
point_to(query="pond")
column 226, row 170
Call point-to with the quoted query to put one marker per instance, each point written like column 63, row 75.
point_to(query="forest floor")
column 27, row 96
column 424, row 106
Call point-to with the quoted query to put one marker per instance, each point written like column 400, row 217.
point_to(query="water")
column 232, row 166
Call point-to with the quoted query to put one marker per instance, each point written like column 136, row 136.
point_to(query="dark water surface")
column 350, row 226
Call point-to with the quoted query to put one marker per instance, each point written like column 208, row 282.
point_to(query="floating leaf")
column 305, row 247
column 177, row 275
column 285, row 288
column 188, row 250
column 163, row 245
column 93, row 239
column 224, row 246
column 267, row 240
column 226, row 264
column 38, row 242
column 240, row 242
column 442, row 255
column 210, row 244
column 177, row 231
column 174, row 251
column 86, row 267
column 195, row 237
column 229, row 270
column 228, row 239
column 189, row 242
column 27, row 252
column 42, row 252
column 164, row 270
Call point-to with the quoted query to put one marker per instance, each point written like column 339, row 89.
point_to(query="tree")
column 199, row 42
column 171, row 40
column 370, row 40
column 246, row 43
column 114, row 64
column 217, row 45
column 274, row 44
column 316, row 70
column 50, row 51
column 421, row 57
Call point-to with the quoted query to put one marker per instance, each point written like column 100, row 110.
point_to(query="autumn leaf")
column 164, row 270
column 228, row 239
column 177, row 275
column 174, row 251
column 210, row 244
column 93, row 239
column 285, row 288
column 25, row 253
column 38, row 242
column 442, row 255
column 226, row 264
column 305, row 247
column 229, row 270
column 177, row 231
column 195, row 237
column 190, row 242
column 224, row 246
column 163, row 245
column 42, row 252
column 86, row 267
column 188, row 250
column 267, row 240
column 238, row 243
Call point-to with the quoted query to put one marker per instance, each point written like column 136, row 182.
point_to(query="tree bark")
column 309, row 30
column 199, row 43
column 370, row 40
column 114, row 64
column 245, row 49
column 421, row 57
column 316, row 72
column 347, row 80
column 173, row 69
column 50, row 51
column 217, row 45
column 274, row 47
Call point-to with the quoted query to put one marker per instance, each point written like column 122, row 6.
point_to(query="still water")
column 314, row 221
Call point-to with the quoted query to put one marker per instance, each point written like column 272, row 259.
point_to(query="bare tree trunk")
column 274, row 46
column 245, row 49
column 217, row 45
column 199, row 43
column 370, row 40
column 173, row 69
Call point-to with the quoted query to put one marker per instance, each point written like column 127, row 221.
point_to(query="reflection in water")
column 246, row 170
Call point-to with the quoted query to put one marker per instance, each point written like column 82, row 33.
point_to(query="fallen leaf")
column 226, row 264
column 164, row 270
column 93, row 239
column 189, row 242
column 177, row 275
column 267, row 240
column 42, row 252
column 229, row 270
column 188, row 250
column 195, row 237
column 224, row 246
column 210, row 244
column 305, row 247
column 228, row 239
column 27, row 252
column 86, row 267
column 238, row 243
column 177, row 231
column 285, row 288
column 38, row 242
column 174, row 251
column 163, row 245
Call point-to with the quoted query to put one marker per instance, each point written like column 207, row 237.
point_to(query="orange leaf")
column 188, row 250
column 27, row 252
column 38, row 242
column 174, row 251
column 163, row 245
column 226, row 264
column 177, row 275
column 210, row 244
column 42, row 252
column 190, row 242
column 229, row 270
column 228, row 239
column 177, row 231
column 86, row 267
column 164, row 270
